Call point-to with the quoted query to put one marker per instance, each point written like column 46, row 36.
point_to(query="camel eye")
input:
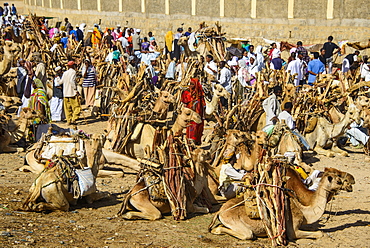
column 350, row 113
column 187, row 113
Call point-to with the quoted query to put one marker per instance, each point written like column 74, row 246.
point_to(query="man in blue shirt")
column 315, row 67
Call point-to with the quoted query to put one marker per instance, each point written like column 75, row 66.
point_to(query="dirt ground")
column 345, row 223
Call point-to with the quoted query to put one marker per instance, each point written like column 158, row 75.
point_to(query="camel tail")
column 210, row 227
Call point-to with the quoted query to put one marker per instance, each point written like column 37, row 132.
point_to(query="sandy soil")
column 345, row 223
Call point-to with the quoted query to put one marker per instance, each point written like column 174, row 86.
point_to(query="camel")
column 306, row 207
column 10, row 49
column 49, row 187
column 141, row 145
column 139, row 204
column 11, row 131
column 218, row 92
column 325, row 134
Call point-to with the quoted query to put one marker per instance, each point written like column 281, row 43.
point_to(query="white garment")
column 69, row 83
column 56, row 108
column 225, row 79
column 25, row 100
column 213, row 66
column 345, row 65
column 271, row 106
column 276, row 53
column 287, row 118
column 260, row 60
column 123, row 41
column 179, row 69
column 365, row 71
column 296, row 66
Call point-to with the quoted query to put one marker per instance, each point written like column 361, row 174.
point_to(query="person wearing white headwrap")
column 243, row 73
column 260, row 59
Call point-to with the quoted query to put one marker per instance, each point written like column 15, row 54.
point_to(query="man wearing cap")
column 56, row 102
column 71, row 100
column 131, row 67
column 136, row 41
column 228, row 175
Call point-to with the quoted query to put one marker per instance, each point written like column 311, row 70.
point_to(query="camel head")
column 93, row 147
column 331, row 182
column 260, row 137
column 362, row 102
column 187, row 115
column 200, row 158
column 10, row 48
column 183, row 41
column 236, row 137
column 220, row 91
column 347, row 179
column 166, row 97
column 353, row 113
column 200, row 155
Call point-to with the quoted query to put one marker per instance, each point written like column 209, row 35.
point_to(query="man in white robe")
column 296, row 67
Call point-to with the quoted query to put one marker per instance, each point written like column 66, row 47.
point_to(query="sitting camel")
column 306, row 207
column 141, row 146
column 218, row 92
column 50, row 188
column 140, row 204
column 325, row 134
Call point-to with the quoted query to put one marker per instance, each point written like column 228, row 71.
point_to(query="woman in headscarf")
column 96, row 38
column 193, row 98
column 39, row 102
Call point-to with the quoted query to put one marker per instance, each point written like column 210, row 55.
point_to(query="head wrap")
column 38, row 83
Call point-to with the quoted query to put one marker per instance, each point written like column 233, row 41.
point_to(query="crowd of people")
column 129, row 48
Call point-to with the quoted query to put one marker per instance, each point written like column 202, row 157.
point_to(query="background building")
column 308, row 20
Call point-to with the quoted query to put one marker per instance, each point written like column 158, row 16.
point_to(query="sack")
column 86, row 181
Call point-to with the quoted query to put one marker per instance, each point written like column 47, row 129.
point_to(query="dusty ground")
column 97, row 226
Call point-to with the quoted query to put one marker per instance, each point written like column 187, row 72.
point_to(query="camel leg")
column 240, row 233
column 146, row 210
column 107, row 173
column 96, row 196
column 336, row 149
column 9, row 149
column 322, row 151
column 308, row 235
column 194, row 208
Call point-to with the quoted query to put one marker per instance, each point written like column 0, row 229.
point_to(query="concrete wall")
column 310, row 23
